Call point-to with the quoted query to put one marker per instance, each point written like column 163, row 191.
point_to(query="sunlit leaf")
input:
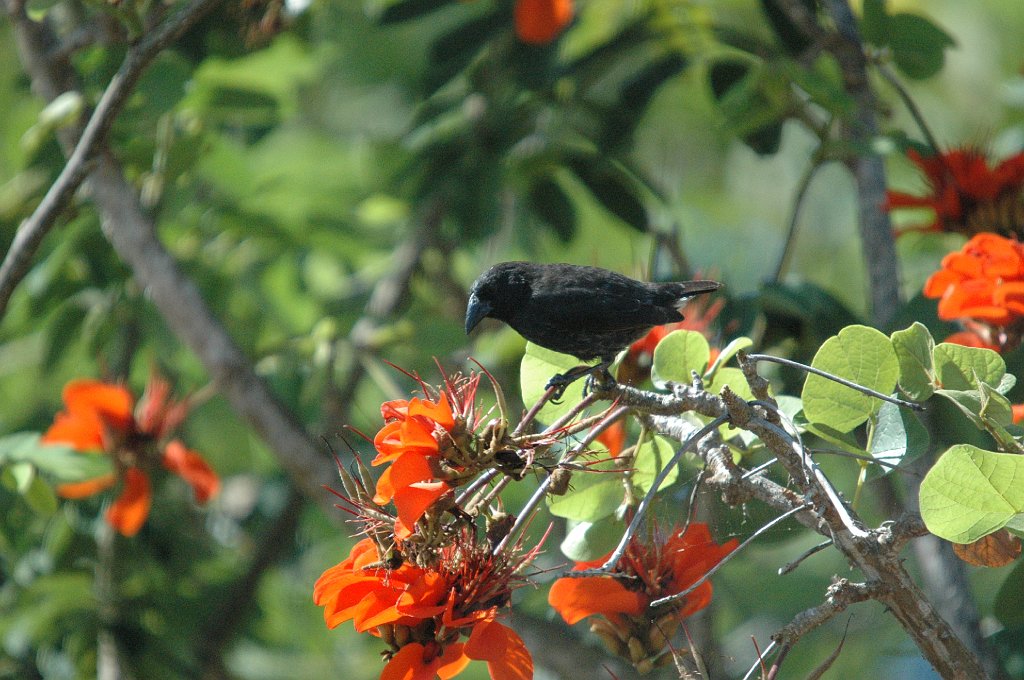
column 862, row 355
column 971, row 492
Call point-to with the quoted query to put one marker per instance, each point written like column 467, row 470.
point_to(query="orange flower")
column 424, row 614
column 970, row 339
column 967, row 195
column 982, row 281
column 98, row 417
column 538, row 22
column 411, row 442
column 645, row 573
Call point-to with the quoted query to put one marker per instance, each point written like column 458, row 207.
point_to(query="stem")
column 835, row 378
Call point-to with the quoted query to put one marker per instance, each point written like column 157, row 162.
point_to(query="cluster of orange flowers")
column 431, row 585
column 647, row 571
column 423, row 614
column 101, row 417
column 982, row 284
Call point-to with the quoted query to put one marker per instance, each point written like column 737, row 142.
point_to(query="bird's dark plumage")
column 583, row 311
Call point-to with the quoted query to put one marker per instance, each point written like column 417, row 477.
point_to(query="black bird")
column 587, row 312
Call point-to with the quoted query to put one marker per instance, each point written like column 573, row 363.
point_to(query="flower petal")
column 191, row 467
column 130, row 510
column 577, row 598
column 414, row 500
column 504, row 651
column 410, row 663
column 114, row 403
column 89, row 487
column 538, row 22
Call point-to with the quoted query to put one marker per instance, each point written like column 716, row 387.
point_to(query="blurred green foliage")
column 286, row 169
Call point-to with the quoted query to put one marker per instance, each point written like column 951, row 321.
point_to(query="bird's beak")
column 476, row 310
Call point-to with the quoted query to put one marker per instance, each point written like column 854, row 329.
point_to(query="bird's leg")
column 599, row 377
column 563, row 380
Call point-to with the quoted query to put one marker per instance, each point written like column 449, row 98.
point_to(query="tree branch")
column 875, row 552
column 36, row 45
column 877, row 238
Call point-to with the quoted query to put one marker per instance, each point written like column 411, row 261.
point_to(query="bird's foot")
column 596, row 376
column 598, row 379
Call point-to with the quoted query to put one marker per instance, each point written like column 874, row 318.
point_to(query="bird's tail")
column 687, row 289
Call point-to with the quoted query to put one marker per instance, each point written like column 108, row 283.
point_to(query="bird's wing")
column 598, row 305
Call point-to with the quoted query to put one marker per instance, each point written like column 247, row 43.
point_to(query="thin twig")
column 794, row 218
column 757, row 534
column 835, row 378
column 908, row 102
column 814, row 550
column 641, row 509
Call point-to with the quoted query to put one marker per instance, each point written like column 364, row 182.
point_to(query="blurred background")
column 333, row 175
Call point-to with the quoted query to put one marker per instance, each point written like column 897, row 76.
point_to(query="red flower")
column 967, row 195
column 411, row 442
column 539, row 22
column 982, row 281
column 645, row 573
column 98, row 417
column 424, row 614
column 970, row 339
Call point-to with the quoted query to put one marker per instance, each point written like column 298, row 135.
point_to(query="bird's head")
column 498, row 293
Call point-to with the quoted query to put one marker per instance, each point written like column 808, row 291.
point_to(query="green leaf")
column 591, row 496
column 19, row 476
column 732, row 349
column 842, row 440
column 548, row 201
column 968, row 401
column 40, row 497
column 874, row 23
column 612, row 188
column 862, row 355
column 918, row 45
column 62, row 462
column 539, row 365
column 651, row 457
column 956, row 366
column 914, row 347
column 679, row 353
column 971, row 492
column 897, row 436
column 587, row 541
column 734, row 379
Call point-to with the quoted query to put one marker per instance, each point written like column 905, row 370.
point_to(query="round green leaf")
column 591, row 496
column 917, row 45
column 539, row 365
column 897, row 436
column 679, row 353
column 957, row 365
column 970, row 492
column 652, row 456
column 587, row 541
column 862, row 355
